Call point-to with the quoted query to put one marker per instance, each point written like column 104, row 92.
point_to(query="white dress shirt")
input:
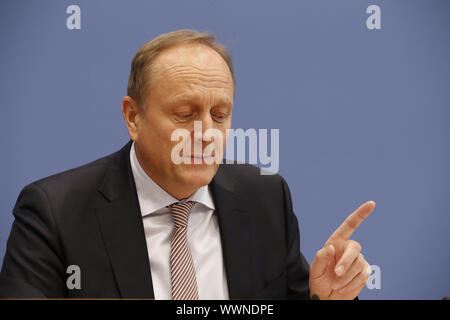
column 203, row 236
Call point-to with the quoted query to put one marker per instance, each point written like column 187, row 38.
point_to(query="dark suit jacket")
column 90, row 217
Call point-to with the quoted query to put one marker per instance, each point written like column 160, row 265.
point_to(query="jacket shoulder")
column 83, row 178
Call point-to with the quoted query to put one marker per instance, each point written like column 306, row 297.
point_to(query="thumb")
column 321, row 261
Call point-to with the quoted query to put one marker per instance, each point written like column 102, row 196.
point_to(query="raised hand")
column 339, row 270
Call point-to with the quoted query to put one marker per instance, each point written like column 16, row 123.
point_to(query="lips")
column 200, row 156
column 199, row 159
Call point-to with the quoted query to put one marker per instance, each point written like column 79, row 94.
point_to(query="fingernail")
column 339, row 270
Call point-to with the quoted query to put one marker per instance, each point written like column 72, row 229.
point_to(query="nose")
column 201, row 125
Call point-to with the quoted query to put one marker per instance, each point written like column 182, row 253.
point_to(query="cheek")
column 157, row 141
column 225, row 133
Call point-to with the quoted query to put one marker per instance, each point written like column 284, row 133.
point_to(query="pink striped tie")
column 182, row 269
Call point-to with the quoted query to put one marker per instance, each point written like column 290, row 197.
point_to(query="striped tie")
column 182, row 270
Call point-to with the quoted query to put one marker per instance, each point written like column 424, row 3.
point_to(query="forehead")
column 192, row 65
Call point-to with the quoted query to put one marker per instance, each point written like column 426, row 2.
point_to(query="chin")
column 199, row 175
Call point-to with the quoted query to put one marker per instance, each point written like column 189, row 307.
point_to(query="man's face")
column 192, row 83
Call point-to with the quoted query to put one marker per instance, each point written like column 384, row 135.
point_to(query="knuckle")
column 362, row 277
column 365, row 274
column 361, row 261
column 364, row 280
column 351, row 223
column 369, row 270
column 321, row 253
column 360, row 266
column 354, row 245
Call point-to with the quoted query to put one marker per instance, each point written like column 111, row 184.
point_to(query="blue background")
column 363, row 114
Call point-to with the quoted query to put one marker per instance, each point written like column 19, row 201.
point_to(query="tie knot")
column 180, row 212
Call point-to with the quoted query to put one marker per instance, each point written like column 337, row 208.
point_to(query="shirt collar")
column 152, row 197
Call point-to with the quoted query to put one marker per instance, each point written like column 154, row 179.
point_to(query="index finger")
column 352, row 222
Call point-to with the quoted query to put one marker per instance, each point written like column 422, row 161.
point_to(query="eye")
column 184, row 116
column 221, row 113
column 220, row 116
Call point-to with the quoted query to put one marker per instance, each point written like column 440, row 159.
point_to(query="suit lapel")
column 236, row 235
column 122, row 229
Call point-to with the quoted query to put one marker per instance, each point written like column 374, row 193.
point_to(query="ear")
column 130, row 112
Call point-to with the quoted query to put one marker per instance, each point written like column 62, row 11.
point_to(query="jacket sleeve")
column 297, row 268
column 33, row 266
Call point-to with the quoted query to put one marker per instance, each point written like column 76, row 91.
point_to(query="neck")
column 175, row 189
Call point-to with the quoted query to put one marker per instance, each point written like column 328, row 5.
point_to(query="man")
column 137, row 224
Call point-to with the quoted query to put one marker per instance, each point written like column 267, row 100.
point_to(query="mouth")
column 200, row 159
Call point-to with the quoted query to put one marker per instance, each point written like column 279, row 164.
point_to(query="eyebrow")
column 192, row 98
